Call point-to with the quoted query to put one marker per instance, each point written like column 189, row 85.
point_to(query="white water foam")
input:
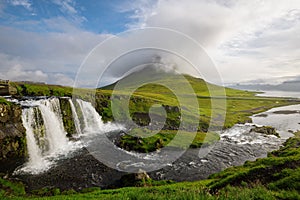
column 42, row 158
column 241, row 134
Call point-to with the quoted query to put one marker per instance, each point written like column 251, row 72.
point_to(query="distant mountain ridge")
column 291, row 86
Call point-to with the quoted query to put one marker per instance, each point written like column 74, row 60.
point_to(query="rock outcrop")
column 6, row 88
column 135, row 179
column 267, row 130
column 12, row 137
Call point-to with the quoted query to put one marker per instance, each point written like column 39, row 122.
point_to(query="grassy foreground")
column 274, row 177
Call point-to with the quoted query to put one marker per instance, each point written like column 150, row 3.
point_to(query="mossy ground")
column 162, row 139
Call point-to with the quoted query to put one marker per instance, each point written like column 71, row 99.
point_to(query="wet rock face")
column 12, row 137
column 67, row 116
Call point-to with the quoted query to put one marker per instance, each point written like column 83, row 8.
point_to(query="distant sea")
column 279, row 94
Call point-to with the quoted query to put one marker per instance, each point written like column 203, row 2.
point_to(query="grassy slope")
column 274, row 177
column 239, row 105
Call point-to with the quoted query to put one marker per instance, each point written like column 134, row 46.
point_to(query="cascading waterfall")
column 46, row 137
column 93, row 123
column 45, row 134
column 92, row 120
column 75, row 117
column 30, row 123
column 54, row 127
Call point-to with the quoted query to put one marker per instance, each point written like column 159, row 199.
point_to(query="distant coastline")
column 277, row 93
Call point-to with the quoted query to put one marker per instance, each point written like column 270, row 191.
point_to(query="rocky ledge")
column 12, row 137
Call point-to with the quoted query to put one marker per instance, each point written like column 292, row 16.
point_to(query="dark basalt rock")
column 12, row 137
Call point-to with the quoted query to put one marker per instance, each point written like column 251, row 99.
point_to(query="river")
column 75, row 165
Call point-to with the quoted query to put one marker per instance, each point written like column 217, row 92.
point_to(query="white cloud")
column 62, row 79
column 25, row 3
column 51, row 53
column 17, row 72
column 246, row 39
column 68, row 7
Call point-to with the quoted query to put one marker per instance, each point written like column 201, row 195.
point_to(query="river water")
column 237, row 145
column 279, row 94
column 78, row 167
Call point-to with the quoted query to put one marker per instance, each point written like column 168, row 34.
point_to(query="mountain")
column 170, row 80
column 291, row 86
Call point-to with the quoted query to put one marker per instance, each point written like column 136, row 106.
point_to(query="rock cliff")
column 12, row 137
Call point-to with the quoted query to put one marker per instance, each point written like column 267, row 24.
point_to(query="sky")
column 254, row 41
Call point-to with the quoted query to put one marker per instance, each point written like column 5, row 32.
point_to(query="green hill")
column 218, row 106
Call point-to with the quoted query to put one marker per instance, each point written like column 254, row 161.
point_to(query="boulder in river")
column 267, row 130
column 135, row 179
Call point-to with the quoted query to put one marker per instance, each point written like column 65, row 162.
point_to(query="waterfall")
column 75, row 117
column 45, row 134
column 54, row 127
column 92, row 120
column 34, row 151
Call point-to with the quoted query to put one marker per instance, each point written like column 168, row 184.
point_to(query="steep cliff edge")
column 12, row 136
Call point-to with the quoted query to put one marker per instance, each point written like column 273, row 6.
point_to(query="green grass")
column 4, row 101
column 8, row 188
column 132, row 142
column 235, row 106
column 36, row 89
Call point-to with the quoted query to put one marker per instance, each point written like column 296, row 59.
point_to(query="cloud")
column 68, row 7
column 62, row 79
column 17, row 73
column 246, row 39
column 25, row 3
column 51, row 53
